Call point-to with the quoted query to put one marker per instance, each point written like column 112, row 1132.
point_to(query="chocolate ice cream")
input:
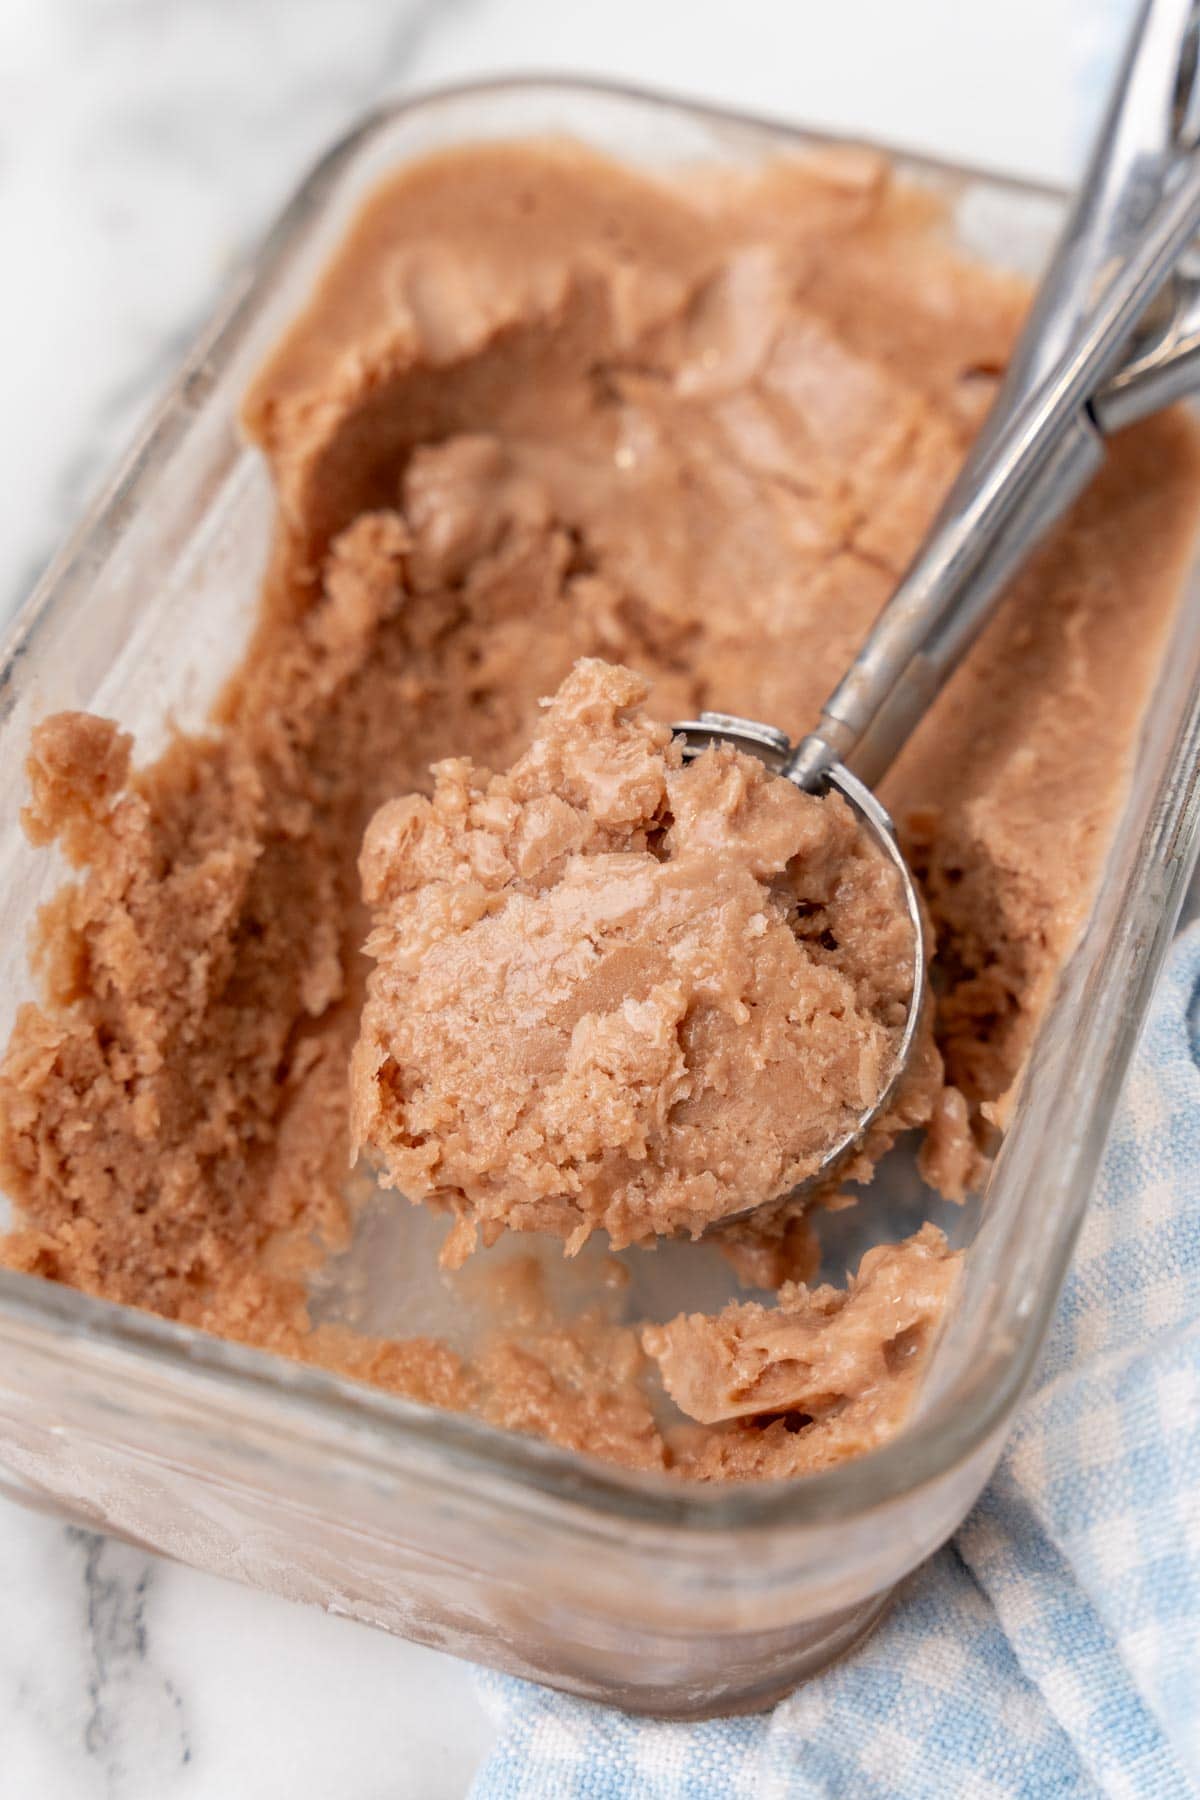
column 616, row 992
column 540, row 407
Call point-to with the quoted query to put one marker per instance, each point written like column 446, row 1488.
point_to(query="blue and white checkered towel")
column 1053, row 1648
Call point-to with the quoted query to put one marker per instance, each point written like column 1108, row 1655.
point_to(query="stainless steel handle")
column 1163, row 369
column 1144, row 130
column 878, row 705
column 1042, row 441
column 940, row 604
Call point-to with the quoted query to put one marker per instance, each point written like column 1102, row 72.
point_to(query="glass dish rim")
column 961, row 1420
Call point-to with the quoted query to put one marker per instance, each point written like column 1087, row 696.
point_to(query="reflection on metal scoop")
column 774, row 748
column 1082, row 368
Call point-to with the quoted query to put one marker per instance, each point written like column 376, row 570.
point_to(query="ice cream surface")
column 541, row 407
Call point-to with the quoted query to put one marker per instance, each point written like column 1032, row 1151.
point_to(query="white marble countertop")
column 143, row 146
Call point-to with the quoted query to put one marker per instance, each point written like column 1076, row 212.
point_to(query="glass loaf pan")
column 639, row 1590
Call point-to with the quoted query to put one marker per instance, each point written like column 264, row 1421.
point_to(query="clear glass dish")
column 640, row 1590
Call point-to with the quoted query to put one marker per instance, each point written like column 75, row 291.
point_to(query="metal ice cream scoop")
column 1113, row 335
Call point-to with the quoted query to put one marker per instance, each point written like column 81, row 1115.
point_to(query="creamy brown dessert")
column 817, row 1351
column 616, row 992
column 541, row 408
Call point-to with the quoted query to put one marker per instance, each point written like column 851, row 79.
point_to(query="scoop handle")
column 1043, row 440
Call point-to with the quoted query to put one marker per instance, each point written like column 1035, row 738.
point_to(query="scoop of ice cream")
column 614, row 991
